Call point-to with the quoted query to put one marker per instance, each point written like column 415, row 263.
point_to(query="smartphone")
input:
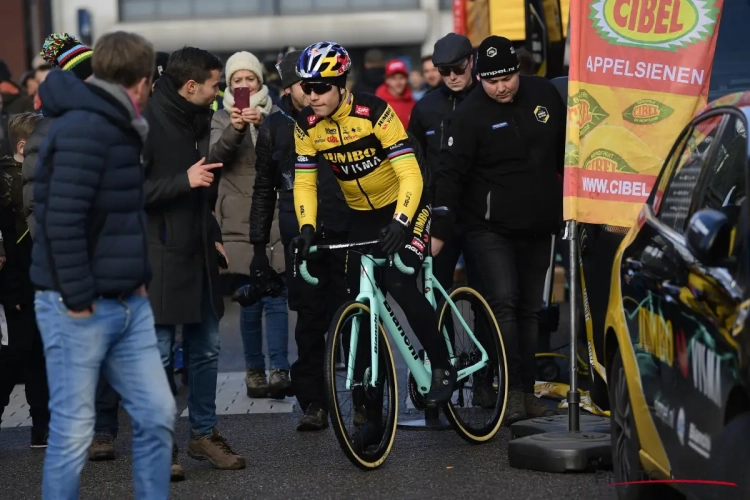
column 242, row 97
column 223, row 264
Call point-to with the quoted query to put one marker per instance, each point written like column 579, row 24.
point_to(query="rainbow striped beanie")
column 65, row 51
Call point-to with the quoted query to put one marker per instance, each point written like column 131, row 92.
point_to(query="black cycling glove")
column 303, row 242
column 393, row 237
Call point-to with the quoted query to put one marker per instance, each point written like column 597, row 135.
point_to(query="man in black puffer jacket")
column 315, row 305
column 90, row 266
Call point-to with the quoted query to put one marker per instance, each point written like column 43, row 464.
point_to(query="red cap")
column 396, row 66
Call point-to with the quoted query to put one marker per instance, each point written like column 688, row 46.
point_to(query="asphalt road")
column 285, row 464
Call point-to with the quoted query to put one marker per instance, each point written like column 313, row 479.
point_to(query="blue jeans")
column 277, row 333
column 118, row 340
column 201, row 346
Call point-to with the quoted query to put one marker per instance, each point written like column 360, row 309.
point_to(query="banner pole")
column 574, row 397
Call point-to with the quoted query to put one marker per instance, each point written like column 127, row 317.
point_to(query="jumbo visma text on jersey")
column 369, row 152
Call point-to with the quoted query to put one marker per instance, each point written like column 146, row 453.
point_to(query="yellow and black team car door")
column 707, row 354
column 676, row 311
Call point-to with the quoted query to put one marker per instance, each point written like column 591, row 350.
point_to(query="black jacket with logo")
column 274, row 171
column 502, row 165
column 429, row 123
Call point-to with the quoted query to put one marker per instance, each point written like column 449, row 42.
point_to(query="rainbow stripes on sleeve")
column 305, row 168
column 400, row 154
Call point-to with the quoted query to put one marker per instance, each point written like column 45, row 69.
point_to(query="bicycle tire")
column 376, row 458
column 483, row 435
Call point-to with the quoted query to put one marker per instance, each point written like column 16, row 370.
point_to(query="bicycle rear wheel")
column 476, row 409
column 364, row 420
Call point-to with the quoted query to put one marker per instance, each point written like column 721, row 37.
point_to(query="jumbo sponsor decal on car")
column 706, row 369
column 699, row 441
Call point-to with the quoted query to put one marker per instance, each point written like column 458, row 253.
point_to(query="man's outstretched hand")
column 200, row 174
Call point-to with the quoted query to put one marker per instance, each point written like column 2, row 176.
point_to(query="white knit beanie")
column 243, row 60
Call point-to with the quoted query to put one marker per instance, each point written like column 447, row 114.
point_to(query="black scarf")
column 166, row 97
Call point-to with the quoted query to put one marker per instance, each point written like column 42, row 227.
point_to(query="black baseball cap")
column 451, row 50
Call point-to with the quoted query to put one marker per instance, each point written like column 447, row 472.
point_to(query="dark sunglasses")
column 317, row 87
column 458, row 70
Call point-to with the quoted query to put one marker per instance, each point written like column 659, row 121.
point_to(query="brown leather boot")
column 214, row 448
column 102, row 448
column 177, row 472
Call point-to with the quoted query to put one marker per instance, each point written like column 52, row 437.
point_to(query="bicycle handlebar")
column 314, row 281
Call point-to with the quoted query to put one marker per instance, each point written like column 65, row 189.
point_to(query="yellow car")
column 675, row 344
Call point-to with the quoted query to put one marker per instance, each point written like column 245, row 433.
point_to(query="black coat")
column 429, row 123
column 274, row 171
column 182, row 230
column 502, row 167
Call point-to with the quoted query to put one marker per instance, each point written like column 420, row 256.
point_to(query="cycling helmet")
column 323, row 60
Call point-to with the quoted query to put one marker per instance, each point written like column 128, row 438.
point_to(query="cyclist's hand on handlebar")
column 303, row 242
column 392, row 237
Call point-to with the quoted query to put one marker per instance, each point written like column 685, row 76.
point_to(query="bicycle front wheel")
column 476, row 409
column 363, row 418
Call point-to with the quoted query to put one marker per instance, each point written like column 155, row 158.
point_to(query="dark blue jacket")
column 91, row 226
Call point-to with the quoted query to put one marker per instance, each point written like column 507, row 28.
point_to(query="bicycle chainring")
column 417, row 398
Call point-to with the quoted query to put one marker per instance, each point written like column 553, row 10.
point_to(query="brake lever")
column 295, row 262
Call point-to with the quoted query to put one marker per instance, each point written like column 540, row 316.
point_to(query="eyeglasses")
column 458, row 70
column 317, row 87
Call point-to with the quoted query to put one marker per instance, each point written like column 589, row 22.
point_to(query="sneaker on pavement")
column 257, row 384
column 534, row 408
column 514, row 408
column 214, row 448
column 279, row 385
column 177, row 473
column 39, row 438
column 103, row 448
column 314, row 419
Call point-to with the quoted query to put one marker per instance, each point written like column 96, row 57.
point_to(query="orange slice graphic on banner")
column 655, row 24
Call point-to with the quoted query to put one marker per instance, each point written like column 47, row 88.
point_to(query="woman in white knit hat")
column 233, row 135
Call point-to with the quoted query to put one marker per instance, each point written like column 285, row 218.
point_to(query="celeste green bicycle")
column 363, row 398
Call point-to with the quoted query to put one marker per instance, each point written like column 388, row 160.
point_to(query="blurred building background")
column 23, row 26
column 398, row 27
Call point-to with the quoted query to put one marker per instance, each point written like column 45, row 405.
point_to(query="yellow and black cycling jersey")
column 369, row 153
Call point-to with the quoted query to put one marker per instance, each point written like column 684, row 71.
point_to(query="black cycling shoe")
column 442, row 387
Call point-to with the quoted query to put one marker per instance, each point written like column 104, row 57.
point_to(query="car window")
column 725, row 184
column 672, row 203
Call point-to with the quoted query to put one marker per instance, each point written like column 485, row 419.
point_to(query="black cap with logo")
column 496, row 57
column 451, row 50
column 162, row 58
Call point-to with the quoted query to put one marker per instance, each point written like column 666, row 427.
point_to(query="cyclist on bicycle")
column 374, row 163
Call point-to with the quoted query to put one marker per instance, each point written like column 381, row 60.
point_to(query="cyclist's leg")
column 403, row 288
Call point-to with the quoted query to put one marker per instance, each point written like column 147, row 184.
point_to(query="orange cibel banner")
column 639, row 70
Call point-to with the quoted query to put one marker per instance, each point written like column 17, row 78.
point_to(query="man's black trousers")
column 315, row 307
column 512, row 277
